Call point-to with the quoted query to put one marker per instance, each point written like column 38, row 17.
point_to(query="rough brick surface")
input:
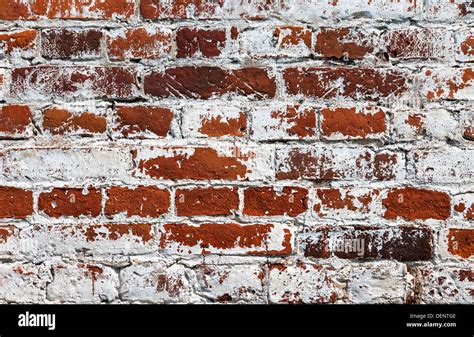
column 233, row 151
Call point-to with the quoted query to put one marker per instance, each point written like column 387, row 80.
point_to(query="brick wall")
column 292, row 151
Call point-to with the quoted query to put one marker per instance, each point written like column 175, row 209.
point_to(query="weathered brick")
column 15, row 202
column 464, row 45
column 151, row 9
column 60, row 9
column 461, row 242
column 155, row 281
column 231, row 283
column 139, row 43
column 23, row 282
column 348, row 203
column 411, row 125
column 466, row 121
column 442, row 165
column 9, row 235
column 2, row 83
column 65, row 164
column 97, row 239
column 345, row 43
column 337, row 82
column 206, row 201
column 303, row 283
column 21, row 42
column 62, row 202
column 214, row 121
column 207, row 82
column 338, row 163
column 204, row 163
column 71, row 44
column 439, row 10
column 82, row 283
column 403, row 243
column 416, row 204
column 75, row 121
column 196, row 9
column 142, row 201
column 378, row 282
column 282, row 41
column 464, row 206
column 142, row 121
column 227, row 151
column 226, row 238
column 418, row 43
column 446, row 83
column 447, row 284
column 48, row 82
column 290, row 122
column 309, row 11
column 270, row 201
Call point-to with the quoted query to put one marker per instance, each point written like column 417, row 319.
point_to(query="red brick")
column 143, row 121
column 344, row 43
column 60, row 121
column 18, row 40
column 15, row 203
column 14, row 120
column 206, row 82
column 71, row 44
column 468, row 133
column 197, row 163
column 206, row 201
column 353, row 123
column 216, row 120
column 70, row 202
column 65, row 9
column 229, row 238
column 417, row 204
column 404, row 243
column 205, row 42
column 139, row 43
column 143, row 201
column 461, row 242
column 217, row 127
column 267, row 201
column 48, row 82
column 356, row 83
